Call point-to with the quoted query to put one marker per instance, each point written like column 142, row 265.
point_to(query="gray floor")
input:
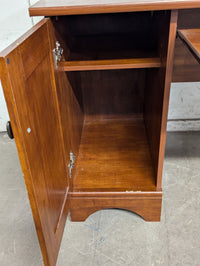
column 110, row 237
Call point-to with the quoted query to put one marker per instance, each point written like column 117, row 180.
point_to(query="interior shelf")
column 114, row 156
column 109, row 64
column 105, row 41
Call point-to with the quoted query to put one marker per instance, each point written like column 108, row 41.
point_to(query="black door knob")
column 9, row 130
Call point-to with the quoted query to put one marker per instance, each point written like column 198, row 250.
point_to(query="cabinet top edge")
column 75, row 7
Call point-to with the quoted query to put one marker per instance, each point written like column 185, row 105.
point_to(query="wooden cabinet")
column 90, row 126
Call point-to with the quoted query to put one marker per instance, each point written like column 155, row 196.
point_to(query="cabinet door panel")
column 27, row 75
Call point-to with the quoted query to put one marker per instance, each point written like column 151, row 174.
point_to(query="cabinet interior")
column 109, row 36
column 106, row 114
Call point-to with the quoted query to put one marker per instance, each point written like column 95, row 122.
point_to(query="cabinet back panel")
column 113, row 92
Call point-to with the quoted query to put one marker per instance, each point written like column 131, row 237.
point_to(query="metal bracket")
column 58, row 52
column 71, row 163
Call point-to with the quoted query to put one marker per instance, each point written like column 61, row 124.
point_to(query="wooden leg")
column 149, row 208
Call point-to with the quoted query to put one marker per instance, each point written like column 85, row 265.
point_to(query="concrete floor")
column 110, row 237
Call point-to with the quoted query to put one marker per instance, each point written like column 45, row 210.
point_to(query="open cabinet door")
column 28, row 79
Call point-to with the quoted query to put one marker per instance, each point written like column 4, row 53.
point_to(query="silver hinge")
column 58, row 52
column 71, row 163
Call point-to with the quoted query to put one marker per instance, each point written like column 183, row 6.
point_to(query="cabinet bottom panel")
column 114, row 155
column 147, row 205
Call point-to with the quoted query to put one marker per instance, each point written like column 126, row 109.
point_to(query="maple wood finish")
column 147, row 205
column 114, row 156
column 72, row 7
column 109, row 64
column 43, row 161
column 186, row 67
column 70, row 106
column 109, row 36
column 113, row 121
column 191, row 38
column 157, row 95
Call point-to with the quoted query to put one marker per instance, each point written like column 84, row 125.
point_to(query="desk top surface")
column 70, row 7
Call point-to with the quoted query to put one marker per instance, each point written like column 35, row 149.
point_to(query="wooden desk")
column 90, row 120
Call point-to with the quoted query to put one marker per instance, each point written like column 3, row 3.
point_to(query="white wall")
column 14, row 21
column 184, row 99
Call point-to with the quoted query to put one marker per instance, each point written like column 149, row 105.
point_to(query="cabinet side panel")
column 157, row 94
column 113, row 92
column 68, row 87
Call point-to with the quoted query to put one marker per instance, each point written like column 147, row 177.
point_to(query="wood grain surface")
column 68, row 87
column 157, row 95
column 114, row 155
column 33, row 107
column 109, row 64
column 69, row 7
column 147, row 205
column 109, row 36
column 191, row 37
column 114, row 121
column 186, row 67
